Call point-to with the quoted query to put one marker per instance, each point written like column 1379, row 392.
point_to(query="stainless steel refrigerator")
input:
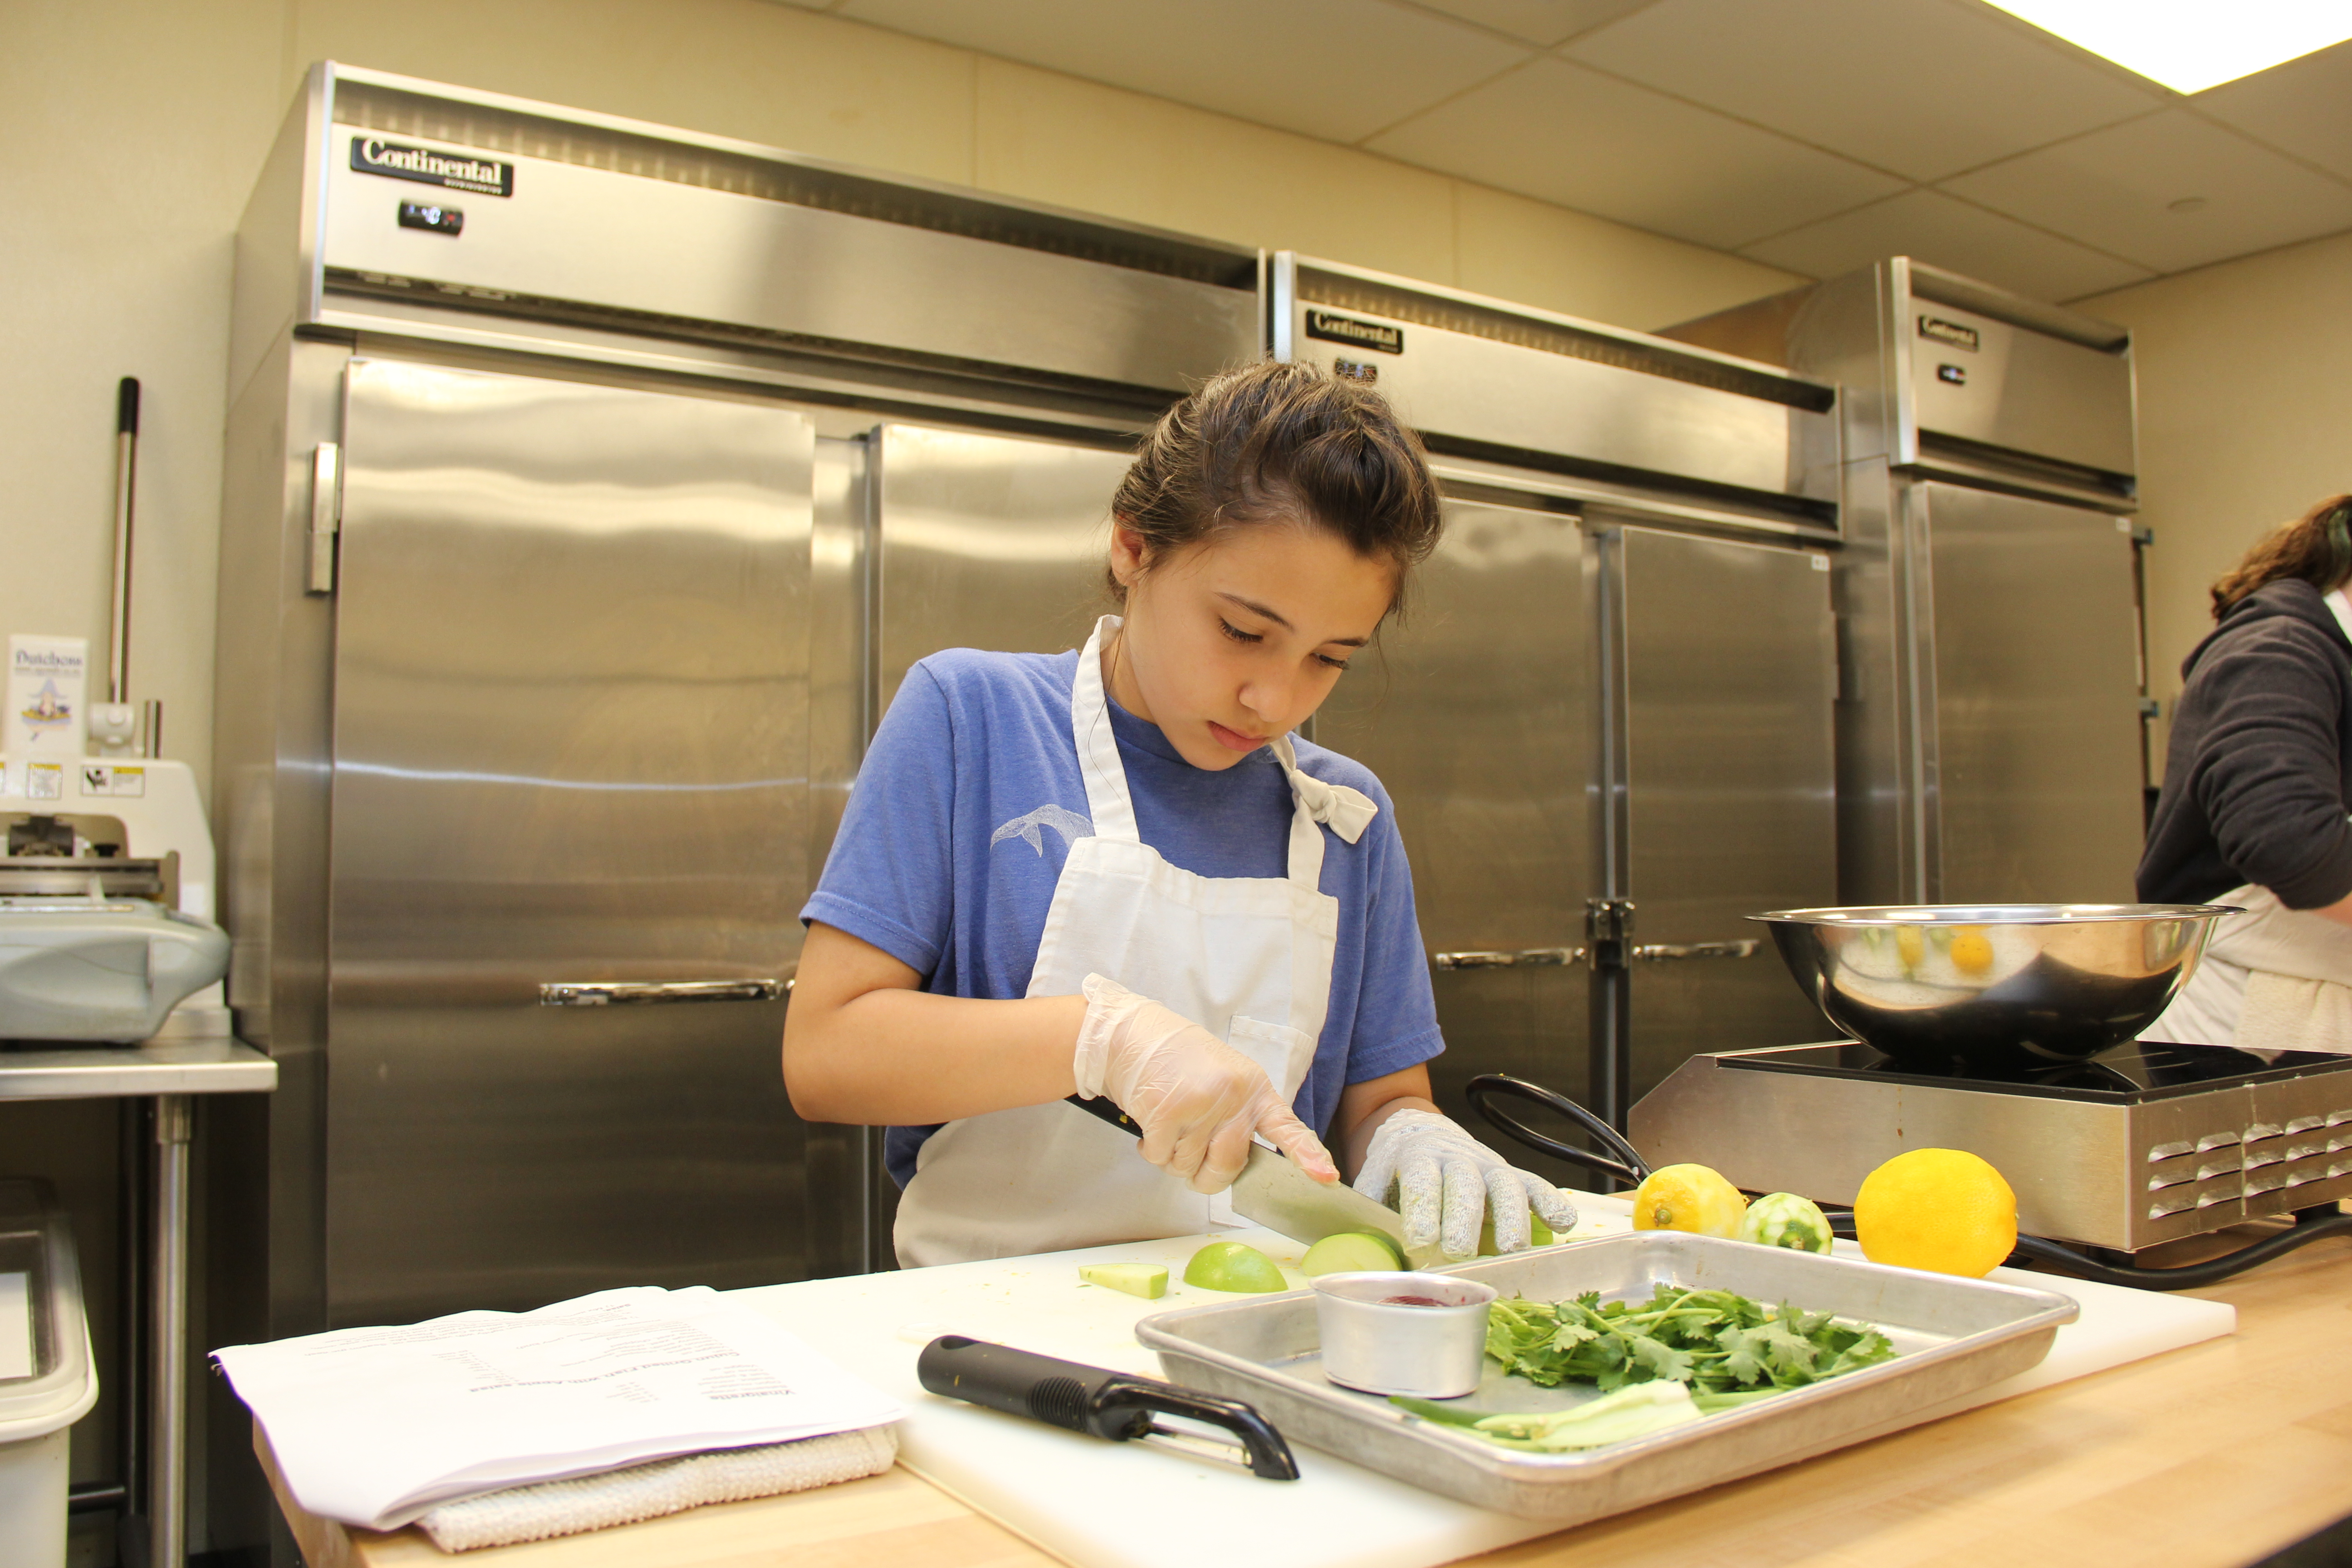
column 1606, row 720
column 1992, row 732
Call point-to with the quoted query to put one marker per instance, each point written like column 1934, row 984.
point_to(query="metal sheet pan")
column 1951, row 1336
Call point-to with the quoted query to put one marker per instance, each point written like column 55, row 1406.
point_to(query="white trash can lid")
column 46, row 1381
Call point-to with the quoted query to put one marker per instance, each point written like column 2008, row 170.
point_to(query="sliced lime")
column 1230, row 1266
column 1351, row 1252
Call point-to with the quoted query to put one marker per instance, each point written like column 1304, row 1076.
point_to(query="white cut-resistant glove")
column 1445, row 1182
column 1198, row 1100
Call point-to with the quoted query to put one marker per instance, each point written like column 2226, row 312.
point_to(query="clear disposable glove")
column 1447, row 1182
column 1198, row 1100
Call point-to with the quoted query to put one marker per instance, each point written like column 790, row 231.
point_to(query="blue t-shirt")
column 964, row 811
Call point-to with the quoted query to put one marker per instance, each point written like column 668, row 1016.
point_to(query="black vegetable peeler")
column 1106, row 1404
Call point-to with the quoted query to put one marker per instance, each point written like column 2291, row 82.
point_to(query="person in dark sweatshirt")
column 2256, row 809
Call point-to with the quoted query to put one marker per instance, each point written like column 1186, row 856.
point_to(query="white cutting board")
column 1124, row 1505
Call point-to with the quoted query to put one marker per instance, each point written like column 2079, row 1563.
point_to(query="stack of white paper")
column 374, row 1427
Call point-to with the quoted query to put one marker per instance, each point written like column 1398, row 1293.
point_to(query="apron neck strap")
column 1108, row 802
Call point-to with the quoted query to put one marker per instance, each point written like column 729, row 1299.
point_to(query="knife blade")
column 1280, row 1196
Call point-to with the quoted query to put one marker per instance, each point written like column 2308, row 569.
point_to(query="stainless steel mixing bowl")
column 1996, row 985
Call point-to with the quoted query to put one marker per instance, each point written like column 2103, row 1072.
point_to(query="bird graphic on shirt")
column 1068, row 824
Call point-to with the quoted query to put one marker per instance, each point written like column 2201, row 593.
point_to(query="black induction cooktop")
column 2129, row 1074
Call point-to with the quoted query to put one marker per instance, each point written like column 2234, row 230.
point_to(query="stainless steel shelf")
column 168, row 1071
column 96, row 1072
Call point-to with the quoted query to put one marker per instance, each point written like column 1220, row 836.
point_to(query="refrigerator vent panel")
column 514, row 132
column 1559, row 337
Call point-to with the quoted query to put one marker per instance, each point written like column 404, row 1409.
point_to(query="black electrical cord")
column 2310, row 1225
column 1628, row 1166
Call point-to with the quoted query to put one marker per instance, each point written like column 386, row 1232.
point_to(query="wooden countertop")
column 2211, row 1456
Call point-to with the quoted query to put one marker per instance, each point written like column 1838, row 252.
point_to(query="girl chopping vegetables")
column 1115, row 872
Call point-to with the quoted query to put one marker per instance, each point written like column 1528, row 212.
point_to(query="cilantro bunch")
column 1725, row 1347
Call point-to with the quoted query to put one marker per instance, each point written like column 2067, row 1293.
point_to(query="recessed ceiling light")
column 2191, row 44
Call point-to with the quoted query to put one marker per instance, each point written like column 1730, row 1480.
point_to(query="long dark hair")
column 1282, row 442
column 2315, row 547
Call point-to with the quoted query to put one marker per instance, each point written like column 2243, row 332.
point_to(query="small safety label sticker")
column 102, row 778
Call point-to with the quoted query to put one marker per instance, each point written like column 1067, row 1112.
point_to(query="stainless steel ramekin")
column 1430, row 1353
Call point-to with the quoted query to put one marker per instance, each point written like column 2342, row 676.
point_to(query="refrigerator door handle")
column 1532, row 957
column 1654, row 952
column 618, row 993
column 326, row 515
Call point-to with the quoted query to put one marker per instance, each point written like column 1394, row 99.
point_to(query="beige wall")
column 134, row 129
column 2245, row 417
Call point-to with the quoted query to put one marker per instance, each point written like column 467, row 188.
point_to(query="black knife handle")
column 1089, row 1399
column 1019, row 1383
column 1101, row 1107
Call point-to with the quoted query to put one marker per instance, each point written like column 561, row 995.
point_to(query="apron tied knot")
column 1346, row 812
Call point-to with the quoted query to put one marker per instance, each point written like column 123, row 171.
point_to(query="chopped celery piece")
column 1620, row 1417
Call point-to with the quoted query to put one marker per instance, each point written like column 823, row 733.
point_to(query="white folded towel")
column 568, row 1506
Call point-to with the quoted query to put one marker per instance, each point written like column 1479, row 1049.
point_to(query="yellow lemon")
column 1972, row 950
column 1910, row 945
column 1943, row 1210
column 1688, row 1197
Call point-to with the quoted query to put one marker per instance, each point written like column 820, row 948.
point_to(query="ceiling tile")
column 1543, row 21
column 1045, row 136
column 1951, row 233
column 2129, row 189
column 1563, row 133
column 1919, row 87
column 1540, row 254
column 2303, row 106
column 1339, row 70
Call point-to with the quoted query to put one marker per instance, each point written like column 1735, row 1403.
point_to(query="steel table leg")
column 167, row 1424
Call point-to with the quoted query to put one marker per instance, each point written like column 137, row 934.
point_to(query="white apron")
column 2273, row 979
column 1246, row 958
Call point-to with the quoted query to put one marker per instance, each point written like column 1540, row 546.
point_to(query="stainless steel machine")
column 1990, row 735
column 106, row 903
column 1606, row 720
column 2010, row 1031
column 2145, row 1143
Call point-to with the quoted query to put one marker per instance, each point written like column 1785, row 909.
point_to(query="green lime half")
column 1230, row 1266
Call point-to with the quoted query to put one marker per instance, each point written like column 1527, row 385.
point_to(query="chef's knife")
column 1105, row 1403
column 1280, row 1196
